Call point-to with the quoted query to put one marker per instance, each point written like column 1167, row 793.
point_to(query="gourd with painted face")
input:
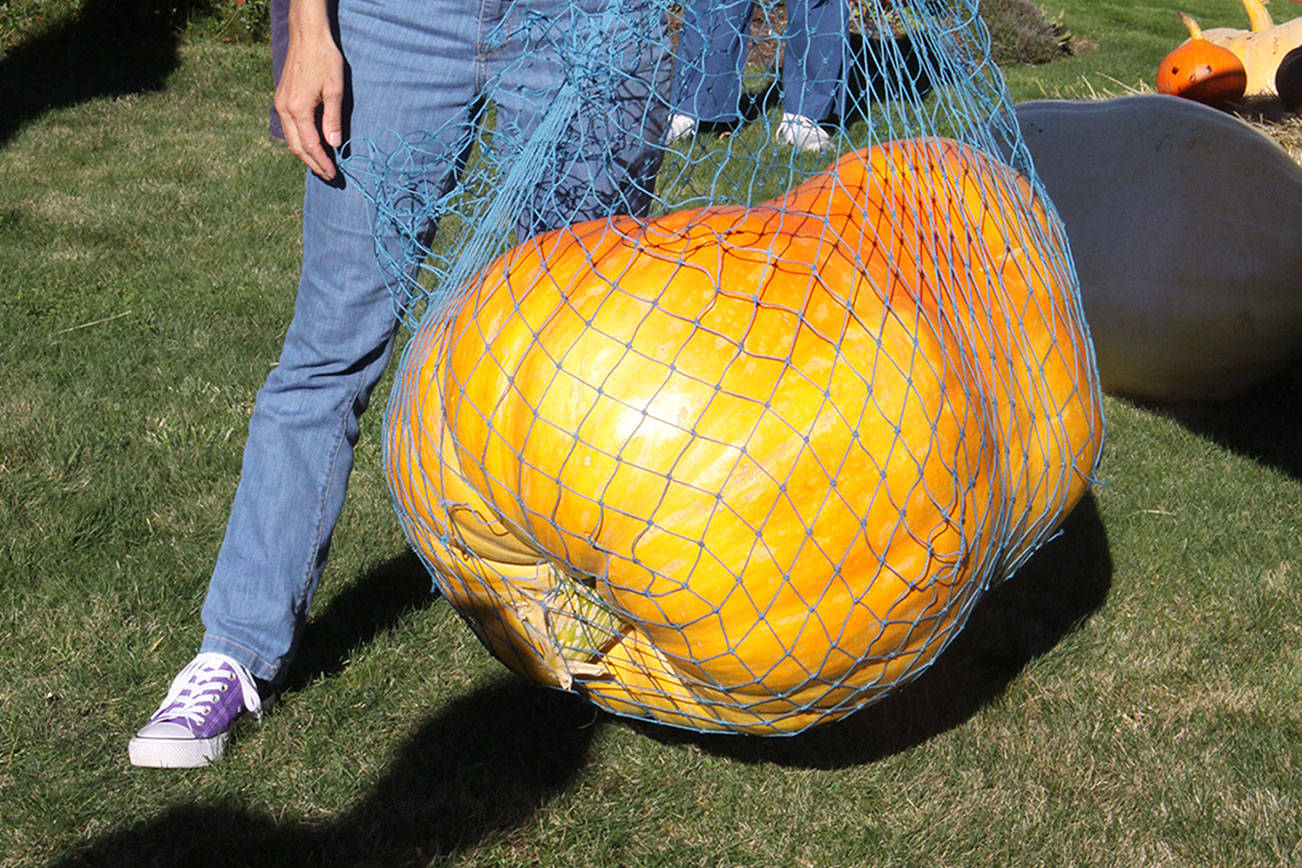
column 1201, row 71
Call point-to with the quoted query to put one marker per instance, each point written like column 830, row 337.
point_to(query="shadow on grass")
column 1263, row 425
column 355, row 615
column 884, row 68
column 1059, row 587
column 480, row 767
column 108, row 49
column 877, row 69
column 485, row 763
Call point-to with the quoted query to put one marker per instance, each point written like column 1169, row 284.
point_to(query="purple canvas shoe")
column 191, row 727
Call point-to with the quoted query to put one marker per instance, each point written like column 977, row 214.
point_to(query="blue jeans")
column 712, row 54
column 413, row 68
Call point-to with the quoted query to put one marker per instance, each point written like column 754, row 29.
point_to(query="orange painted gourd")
column 1201, row 70
column 747, row 468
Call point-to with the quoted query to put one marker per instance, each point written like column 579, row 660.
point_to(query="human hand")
column 311, row 88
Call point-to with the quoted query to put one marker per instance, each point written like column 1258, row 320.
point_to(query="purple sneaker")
column 191, row 727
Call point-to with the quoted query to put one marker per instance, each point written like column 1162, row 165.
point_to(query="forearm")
column 309, row 20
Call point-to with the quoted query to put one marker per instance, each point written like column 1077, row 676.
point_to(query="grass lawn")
column 1130, row 697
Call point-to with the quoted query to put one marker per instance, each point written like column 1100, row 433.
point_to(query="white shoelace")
column 205, row 681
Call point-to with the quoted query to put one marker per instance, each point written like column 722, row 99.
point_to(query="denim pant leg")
column 607, row 158
column 415, row 68
column 711, row 57
column 812, row 57
column 412, row 66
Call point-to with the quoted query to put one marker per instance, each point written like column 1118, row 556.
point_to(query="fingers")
column 298, row 117
column 332, row 119
column 309, row 100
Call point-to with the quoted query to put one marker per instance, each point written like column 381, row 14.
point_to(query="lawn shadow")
column 877, row 69
column 109, row 49
column 357, row 614
column 487, row 761
column 758, row 103
column 1014, row 623
column 1264, row 425
column 478, row 768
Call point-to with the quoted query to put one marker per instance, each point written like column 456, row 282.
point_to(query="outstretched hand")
column 309, row 97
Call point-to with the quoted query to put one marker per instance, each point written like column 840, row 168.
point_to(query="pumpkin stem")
column 579, row 622
column 1258, row 18
column 1195, row 32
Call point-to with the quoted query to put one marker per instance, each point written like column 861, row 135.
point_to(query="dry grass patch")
column 1272, row 119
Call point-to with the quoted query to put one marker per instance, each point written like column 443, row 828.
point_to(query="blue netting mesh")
column 701, row 426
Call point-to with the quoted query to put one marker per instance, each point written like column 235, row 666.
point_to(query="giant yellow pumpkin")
column 747, row 468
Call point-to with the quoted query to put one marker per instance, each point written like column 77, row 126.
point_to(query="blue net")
column 747, row 351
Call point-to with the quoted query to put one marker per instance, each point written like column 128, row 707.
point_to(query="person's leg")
column 812, row 56
column 711, row 56
column 299, row 450
column 410, row 67
column 599, row 72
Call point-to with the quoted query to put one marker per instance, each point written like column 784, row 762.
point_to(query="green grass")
column 1131, row 697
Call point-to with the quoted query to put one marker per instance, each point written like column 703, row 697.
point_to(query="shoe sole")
column 176, row 753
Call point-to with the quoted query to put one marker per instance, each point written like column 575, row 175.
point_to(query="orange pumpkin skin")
column 787, row 445
column 488, row 575
column 1203, row 71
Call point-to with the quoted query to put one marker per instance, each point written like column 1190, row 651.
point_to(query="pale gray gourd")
column 1185, row 225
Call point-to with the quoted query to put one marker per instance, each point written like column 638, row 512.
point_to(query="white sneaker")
column 193, row 724
column 680, row 127
column 802, row 133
